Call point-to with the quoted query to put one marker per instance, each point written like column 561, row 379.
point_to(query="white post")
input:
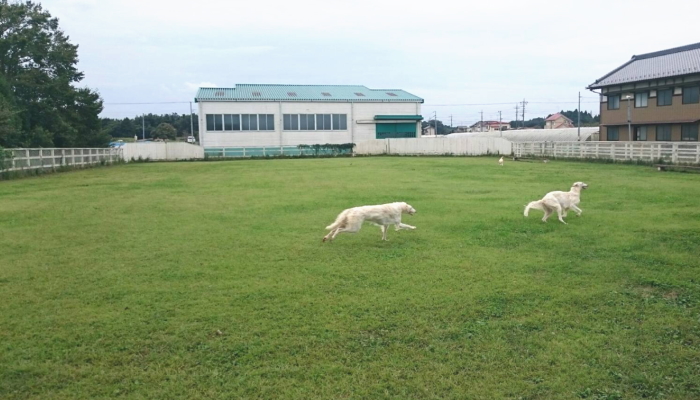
column 674, row 153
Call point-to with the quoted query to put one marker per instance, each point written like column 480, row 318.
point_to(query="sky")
column 463, row 58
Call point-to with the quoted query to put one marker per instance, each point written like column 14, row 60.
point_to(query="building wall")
column 651, row 133
column 652, row 114
column 360, row 117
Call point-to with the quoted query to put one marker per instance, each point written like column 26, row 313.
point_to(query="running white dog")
column 382, row 215
column 500, row 162
column 560, row 202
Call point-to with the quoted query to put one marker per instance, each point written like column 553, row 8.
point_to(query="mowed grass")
column 209, row 280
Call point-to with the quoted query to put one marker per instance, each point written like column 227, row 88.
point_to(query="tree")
column 442, row 129
column 164, row 131
column 38, row 65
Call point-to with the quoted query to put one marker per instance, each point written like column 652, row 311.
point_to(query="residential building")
column 429, row 131
column 489, row 126
column 558, row 121
column 661, row 92
column 251, row 115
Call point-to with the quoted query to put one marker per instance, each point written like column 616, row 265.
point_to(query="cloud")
column 194, row 86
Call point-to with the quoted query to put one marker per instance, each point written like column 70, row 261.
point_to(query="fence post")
column 697, row 154
column 674, row 153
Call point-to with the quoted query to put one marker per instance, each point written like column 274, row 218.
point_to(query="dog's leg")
column 384, row 228
column 577, row 210
column 404, row 226
column 560, row 214
column 547, row 213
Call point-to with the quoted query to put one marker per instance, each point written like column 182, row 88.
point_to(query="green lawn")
column 209, row 280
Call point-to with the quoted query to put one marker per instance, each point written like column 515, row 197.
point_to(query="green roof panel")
column 304, row 93
column 398, row 117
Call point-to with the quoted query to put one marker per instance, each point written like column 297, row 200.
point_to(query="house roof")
column 325, row 93
column 660, row 64
column 556, row 116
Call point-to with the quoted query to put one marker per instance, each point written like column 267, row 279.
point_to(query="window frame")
column 670, row 132
column 697, row 97
column 617, row 97
column 617, row 134
column 637, row 132
column 638, row 97
column 693, row 138
column 670, row 97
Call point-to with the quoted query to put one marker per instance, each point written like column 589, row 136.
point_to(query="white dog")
column 500, row 162
column 382, row 215
column 559, row 201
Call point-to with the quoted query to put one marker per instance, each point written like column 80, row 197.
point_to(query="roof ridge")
column 667, row 51
column 295, row 84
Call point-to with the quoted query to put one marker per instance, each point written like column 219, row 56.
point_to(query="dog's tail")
column 535, row 205
column 338, row 221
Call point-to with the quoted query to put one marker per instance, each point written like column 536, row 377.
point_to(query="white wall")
column 435, row 146
column 161, row 151
column 355, row 111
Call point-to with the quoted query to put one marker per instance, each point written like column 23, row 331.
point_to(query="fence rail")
column 26, row 159
column 264, row 151
column 673, row 152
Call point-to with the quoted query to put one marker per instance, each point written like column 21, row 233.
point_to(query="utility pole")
column 481, row 127
column 500, row 128
column 516, row 116
column 524, row 103
column 450, row 121
column 191, row 121
column 435, row 122
column 579, row 116
column 143, row 127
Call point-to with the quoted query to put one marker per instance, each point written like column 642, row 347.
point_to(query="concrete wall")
column 435, row 146
column 161, row 151
column 360, row 121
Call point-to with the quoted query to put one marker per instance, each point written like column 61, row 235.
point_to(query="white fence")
column 159, row 151
column 471, row 146
column 25, row 159
column 675, row 152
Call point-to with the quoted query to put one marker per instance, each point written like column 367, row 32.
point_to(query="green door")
column 390, row 131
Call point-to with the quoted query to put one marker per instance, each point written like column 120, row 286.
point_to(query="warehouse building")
column 272, row 117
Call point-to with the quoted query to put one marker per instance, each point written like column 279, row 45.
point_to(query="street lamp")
column 629, row 118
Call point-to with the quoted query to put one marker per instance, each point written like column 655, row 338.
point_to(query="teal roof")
column 326, row 93
column 399, row 117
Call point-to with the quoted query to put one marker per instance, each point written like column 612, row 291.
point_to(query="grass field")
column 209, row 280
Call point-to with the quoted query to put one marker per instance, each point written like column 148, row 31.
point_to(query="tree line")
column 40, row 103
column 166, row 126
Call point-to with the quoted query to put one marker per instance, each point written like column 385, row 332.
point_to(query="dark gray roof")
column 660, row 64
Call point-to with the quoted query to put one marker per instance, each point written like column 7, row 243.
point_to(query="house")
column 489, row 126
column 428, row 131
column 558, row 121
column 661, row 93
column 252, row 115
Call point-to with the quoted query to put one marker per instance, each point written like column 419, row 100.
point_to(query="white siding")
column 355, row 132
column 470, row 146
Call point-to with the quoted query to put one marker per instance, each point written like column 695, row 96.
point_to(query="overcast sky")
column 452, row 54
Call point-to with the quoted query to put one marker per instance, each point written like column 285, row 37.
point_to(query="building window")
column 614, row 102
column 663, row 133
column 691, row 95
column 340, row 122
column 641, row 99
column 218, row 122
column 240, row 122
column 641, row 133
column 689, row 132
column 664, row 97
column 613, row 133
